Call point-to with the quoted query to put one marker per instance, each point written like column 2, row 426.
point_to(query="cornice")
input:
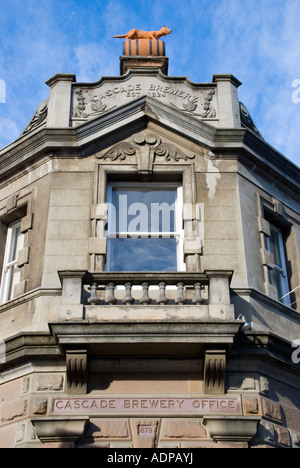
column 267, row 346
column 132, row 117
column 26, row 150
column 27, row 346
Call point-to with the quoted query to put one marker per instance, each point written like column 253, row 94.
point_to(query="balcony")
column 153, row 295
column 125, row 309
column 146, row 314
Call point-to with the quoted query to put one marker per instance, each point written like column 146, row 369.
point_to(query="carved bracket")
column 76, row 363
column 214, row 372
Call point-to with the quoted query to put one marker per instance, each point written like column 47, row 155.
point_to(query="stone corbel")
column 214, row 372
column 76, row 364
column 231, row 429
column 59, row 432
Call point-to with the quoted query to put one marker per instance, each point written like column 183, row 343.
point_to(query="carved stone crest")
column 88, row 105
column 147, row 148
column 191, row 105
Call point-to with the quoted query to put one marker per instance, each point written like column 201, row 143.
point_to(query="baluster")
column 111, row 300
column 162, row 296
column 198, row 299
column 145, row 299
column 128, row 299
column 180, row 298
column 94, row 300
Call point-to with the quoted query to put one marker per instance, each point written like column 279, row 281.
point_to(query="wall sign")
column 89, row 101
column 145, row 405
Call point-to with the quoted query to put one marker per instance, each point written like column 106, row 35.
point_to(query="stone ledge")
column 231, row 428
column 176, row 338
column 57, row 429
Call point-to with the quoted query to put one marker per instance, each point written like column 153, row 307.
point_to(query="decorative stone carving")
column 38, row 118
column 191, row 105
column 146, row 148
column 214, row 372
column 169, row 151
column 89, row 105
column 80, row 106
column 120, row 150
column 76, row 371
column 247, row 121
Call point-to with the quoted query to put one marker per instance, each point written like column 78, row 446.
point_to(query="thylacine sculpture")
column 138, row 34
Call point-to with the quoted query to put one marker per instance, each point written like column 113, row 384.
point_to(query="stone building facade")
column 150, row 247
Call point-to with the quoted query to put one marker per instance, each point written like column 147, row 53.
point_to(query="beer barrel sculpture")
column 144, row 47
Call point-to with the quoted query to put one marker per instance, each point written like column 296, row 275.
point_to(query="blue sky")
column 258, row 41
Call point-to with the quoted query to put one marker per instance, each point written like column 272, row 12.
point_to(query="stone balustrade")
column 82, row 290
column 159, row 284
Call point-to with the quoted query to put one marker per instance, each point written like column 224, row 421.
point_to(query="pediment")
column 135, row 116
column 153, row 150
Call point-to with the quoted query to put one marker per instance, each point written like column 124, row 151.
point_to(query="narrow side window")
column 278, row 274
column 11, row 272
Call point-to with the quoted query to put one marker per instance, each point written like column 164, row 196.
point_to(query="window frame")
column 9, row 266
column 178, row 233
column 282, row 270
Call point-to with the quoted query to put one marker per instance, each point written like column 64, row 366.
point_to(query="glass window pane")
column 276, row 280
column 144, row 210
column 11, row 273
column 142, row 254
column 278, row 275
column 17, row 240
column 274, row 247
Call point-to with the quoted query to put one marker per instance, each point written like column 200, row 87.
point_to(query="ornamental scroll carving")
column 119, row 151
column 146, row 145
column 38, row 118
column 146, row 148
column 247, row 121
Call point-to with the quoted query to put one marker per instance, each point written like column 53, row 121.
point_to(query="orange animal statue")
column 138, row 34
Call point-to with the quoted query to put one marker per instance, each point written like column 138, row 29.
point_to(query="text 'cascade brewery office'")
column 202, row 405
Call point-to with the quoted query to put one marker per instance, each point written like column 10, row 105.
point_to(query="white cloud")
column 2, row 92
column 94, row 61
column 259, row 42
column 8, row 131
